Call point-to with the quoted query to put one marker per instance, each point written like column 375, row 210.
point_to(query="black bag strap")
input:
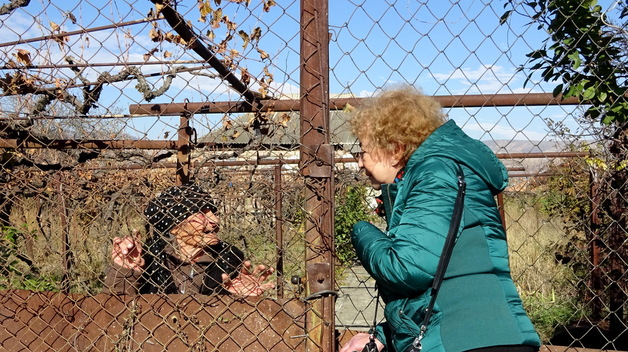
column 448, row 248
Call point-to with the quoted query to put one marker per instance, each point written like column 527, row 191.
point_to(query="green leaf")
column 505, row 17
column 557, row 90
column 589, row 93
column 574, row 56
column 573, row 91
column 608, row 119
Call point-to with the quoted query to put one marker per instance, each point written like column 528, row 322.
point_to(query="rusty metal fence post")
column 183, row 149
column 316, row 166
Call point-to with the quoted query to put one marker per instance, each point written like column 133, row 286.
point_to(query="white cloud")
column 485, row 79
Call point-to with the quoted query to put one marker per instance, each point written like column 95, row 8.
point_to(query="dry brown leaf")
column 155, row 35
column 268, row 4
column 54, row 27
column 205, row 9
column 227, row 124
column 167, row 54
column 216, row 17
column 149, row 54
column 285, row 118
column 60, row 94
column 71, row 16
column 61, row 40
column 257, row 34
column 245, row 77
column 23, row 56
column 231, row 26
column 245, row 38
column 263, row 92
column 262, row 54
column 269, row 75
column 222, row 47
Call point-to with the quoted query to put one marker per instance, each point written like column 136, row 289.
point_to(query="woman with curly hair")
column 417, row 158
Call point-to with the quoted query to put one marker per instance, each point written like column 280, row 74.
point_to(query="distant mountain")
column 534, row 164
column 523, row 146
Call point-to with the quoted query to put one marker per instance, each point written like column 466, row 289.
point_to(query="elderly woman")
column 184, row 254
column 414, row 156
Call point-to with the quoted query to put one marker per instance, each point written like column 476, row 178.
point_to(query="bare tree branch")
column 17, row 85
column 14, row 4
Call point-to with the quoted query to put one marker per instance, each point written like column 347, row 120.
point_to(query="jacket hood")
column 449, row 141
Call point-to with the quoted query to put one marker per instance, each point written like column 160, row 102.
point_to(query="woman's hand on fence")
column 127, row 251
column 247, row 283
column 358, row 342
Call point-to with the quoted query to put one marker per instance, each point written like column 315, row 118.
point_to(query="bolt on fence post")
column 316, row 166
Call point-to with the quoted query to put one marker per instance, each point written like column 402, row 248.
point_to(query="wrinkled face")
column 381, row 167
column 198, row 230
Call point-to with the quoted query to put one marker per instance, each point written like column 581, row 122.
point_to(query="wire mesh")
column 106, row 104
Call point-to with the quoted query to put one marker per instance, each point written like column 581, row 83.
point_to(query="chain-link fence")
column 106, row 104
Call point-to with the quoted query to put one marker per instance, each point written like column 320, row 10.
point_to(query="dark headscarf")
column 176, row 204
column 164, row 212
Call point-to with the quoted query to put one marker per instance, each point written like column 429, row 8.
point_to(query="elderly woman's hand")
column 247, row 283
column 358, row 342
column 127, row 251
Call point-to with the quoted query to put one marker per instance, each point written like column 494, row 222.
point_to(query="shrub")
column 351, row 206
column 17, row 270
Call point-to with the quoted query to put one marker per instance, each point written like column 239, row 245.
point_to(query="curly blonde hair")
column 399, row 115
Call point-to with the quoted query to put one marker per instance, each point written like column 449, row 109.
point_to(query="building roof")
column 279, row 129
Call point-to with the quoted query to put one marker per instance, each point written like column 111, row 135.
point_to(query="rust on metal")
column 318, row 161
column 87, row 144
column 60, row 322
column 319, row 278
column 318, row 171
column 447, row 101
column 279, row 229
column 183, row 149
column 79, row 32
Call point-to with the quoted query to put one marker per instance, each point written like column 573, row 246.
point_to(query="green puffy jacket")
column 478, row 304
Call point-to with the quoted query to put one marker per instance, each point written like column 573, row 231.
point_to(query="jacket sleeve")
column 404, row 260
column 382, row 333
column 121, row 281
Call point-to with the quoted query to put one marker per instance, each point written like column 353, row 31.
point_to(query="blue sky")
column 443, row 47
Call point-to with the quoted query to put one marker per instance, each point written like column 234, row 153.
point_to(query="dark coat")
column 203, row 276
